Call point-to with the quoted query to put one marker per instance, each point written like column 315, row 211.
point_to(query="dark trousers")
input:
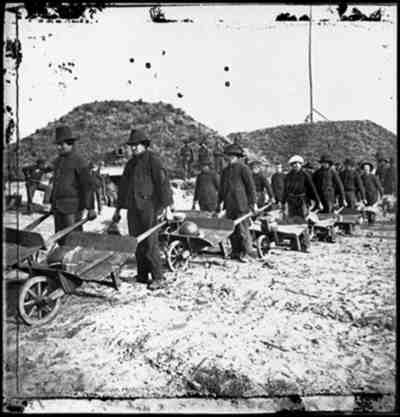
column 208, row 205
column 148, row 258
column 297, row 207
column 351, row 199
column 327, row 201
column 240, row 238
column 61, row 221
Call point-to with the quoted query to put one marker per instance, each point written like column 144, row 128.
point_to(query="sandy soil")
column 306, row 324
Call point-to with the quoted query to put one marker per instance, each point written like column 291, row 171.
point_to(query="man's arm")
column 248, row 181
column 85, row 181
column 161, row 182
column 379, row 186
column 360, row 186
column 312, row 188
column 339, row 186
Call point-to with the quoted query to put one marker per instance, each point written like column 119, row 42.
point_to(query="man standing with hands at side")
column 237, row 195
column 72, row 191
column 145, row 192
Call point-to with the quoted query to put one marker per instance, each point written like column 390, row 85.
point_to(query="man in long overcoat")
column 237, row 196
column 262, row 184
column 72, row 189
column 326, row 181
column 206, row 188
column 144, row 190
column 187, row 158
column 372, row 186
column 352, row 183
column 33, row 176
column 278, row 182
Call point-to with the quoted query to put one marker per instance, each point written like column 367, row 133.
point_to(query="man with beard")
column 261, row 183
column 326, row 181
column 352, row 183
column 372, row 186
column 72, row 190
column 206, row 188
column 237, row 196
column 144, row 190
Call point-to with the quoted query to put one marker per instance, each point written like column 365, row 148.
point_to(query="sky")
column 265, row 62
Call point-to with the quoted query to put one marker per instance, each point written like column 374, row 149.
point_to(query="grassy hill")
column 357, row 138
column 104, row 126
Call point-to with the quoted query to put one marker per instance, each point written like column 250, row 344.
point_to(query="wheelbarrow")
column 322, row 226
column 210, row 234
column 349, row 219
column 85, row 257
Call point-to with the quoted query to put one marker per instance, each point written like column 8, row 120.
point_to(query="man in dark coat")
column 262, row 184
column 98, row 185
column 144, row 190
column 386, row 175
column 204, row 152
column 372, row 186
column 326, row 181
column 298, row 189
column 187, row 158
column 206, row 188
column 352, row 183
column 237, row 196
column 218, row 156
column 33, row 176
column 278, row 182
column 72, row 187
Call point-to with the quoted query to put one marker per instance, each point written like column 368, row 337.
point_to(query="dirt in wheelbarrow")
column 293, row 324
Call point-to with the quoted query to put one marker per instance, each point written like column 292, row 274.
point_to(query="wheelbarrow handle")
column 36, row 222
column 149, row 232
column 53, row 239
column 249, row 214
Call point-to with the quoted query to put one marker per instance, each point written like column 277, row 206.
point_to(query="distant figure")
column 33, row 175
column 326, row 181
column 206, row 188
column 385, row 173
column 187, row 158
column 278, row 182
column 218, row 156
column 373, row 188
column 111, row 191
column 352, row 184
column 204, row 152
column 263, row 187
column 98, row 184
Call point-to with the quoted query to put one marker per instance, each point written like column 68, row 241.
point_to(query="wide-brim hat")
column 367, row 163
column 255, row 163
column 137, row 136
column 64, row 133
column 349, row 161
column 326, row 158
column 234, row 149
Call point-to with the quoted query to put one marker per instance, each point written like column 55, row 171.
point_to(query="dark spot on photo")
column 50, row 65
column 75, row 78
column 131, row 60
column 163, row 52
column 180, row 95
column 129, row 82
column 226, row 68
column 30, row 98
column 227, row 83
column 148, row 65
column 9, row 109
column 8, row 81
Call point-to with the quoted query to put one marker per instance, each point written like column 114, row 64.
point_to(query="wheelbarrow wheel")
column 263, row 246
column 35, row 306
column 177, row 256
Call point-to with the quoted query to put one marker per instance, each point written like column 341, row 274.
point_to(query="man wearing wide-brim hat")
column 352, row 184
column 328, row 184
column 144, row 190
column 206, row 187
column 72, row 185
column 237, row 196
column 372, row 186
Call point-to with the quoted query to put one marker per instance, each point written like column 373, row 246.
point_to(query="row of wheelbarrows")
column 51, row 271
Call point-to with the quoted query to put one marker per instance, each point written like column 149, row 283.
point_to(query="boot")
column 156, row 284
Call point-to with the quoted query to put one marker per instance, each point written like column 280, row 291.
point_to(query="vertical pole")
column 309, row 68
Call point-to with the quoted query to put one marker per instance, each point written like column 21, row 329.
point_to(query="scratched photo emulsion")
column 199, row 207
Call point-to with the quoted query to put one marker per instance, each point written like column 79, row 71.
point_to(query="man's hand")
column 168, row 214
column 194, row 206
column 344, row 204
column 254, row 208
column 320, row 206
column 91, row 214
column 116, row 218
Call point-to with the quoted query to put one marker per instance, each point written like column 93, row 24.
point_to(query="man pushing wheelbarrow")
column 145, row 192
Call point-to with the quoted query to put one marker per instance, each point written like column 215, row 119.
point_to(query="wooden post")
column 309, row 68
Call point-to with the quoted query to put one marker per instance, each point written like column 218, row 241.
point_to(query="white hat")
column 296, row 158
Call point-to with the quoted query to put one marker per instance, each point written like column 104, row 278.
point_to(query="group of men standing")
column 144, row 191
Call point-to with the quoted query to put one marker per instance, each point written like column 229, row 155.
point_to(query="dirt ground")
column 311, row 325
